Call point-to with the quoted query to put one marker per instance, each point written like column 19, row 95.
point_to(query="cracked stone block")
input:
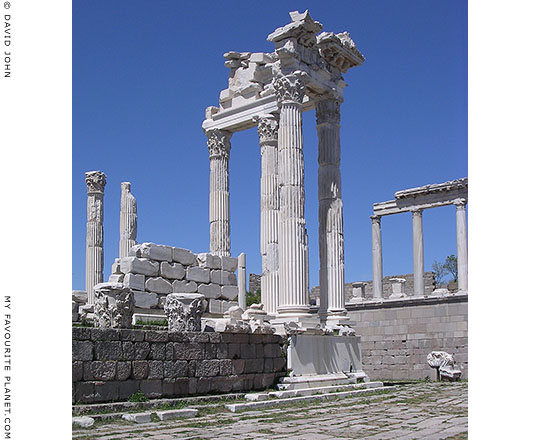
column 138, row 417
column 151, row 251
column 172, row 270
column 229, row 263
column 209, row 261
column 184, row 286
column 210, row 290
column 229, row 292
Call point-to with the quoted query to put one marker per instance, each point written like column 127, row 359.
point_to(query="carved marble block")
column 184, row 311
column 445, row 365
column 114, row 305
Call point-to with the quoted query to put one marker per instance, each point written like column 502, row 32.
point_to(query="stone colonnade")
column 95, row 184
column 415, row 201
column 284, row 239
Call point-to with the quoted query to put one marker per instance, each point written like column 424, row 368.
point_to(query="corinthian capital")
column 290, row 88
column 328, row 110
column 460, row 203
column 95, row 181
column 219, row 143
column 267, row 127
column 375, row 219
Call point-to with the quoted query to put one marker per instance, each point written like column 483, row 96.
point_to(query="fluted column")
column 268, row 140
column 128, row 220
column 376, row 252
column 461, row 232
column 331, row 252
column 293, row 240
column 219, row 147
column 95, row 183
column 418, row 252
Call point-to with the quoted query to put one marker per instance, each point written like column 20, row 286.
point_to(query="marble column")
column 293, row 239
column 95, row 185
column 461, row 232
column 376, row 252
column 128, row 220
column 331, row 252
column 268, row 140
column 219, row 147
column 242, row 281
column 418, row 252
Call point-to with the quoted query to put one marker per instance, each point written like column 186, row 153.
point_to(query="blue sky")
column 144, row 72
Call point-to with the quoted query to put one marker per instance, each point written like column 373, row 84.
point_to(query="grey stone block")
column 157, row 351
column 139, row 265
column 134, row 281
column 108, row 350
column 225, row 367
column 172, row 271
column 76, row 371
column 123, row 370
column 156, row 336
column 184, row 286
column 209, row 261
column 229, row 292
column 152, row 388
column 127, row 388
column 152, row 251
column 139, row 370
column 229, row 263
column 254, row 366
column 80, row 333
column 83, row 392
column 145, row 300
column 116, row 278
column 82, row 350
column 248, row 351
column 138, row 417
column 198, row 274
column 183, row 256
column 99, row 370
column 132, row 335
column 106, row 391
column 210, row 290
column 158, row 285
column 207, row 368
column 155, row 370
column 174, row 369
column 177, row 414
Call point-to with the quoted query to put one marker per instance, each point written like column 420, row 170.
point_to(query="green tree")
column 439, row 271
column 451, row 266
column 253, row 298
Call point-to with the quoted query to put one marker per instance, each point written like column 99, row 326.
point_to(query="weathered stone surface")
column 141, row 266
column 114, row 305
column 83, row 421
column 145, row 300
column 174, row 369
column 139, row 369
column 138, row 417
column 229, row 263
column 172, row 270
column 123, row 370
column 134, row 281
column 155, row 370
column 115, row 267
column 108, row 350
column 198, row 274
column 128, row 220
column 229, row 292
column 209, row 261
column 184, row 311
column 152, row 251
column 209, row 290
column 158, row 285
column 184, row 286
column 177, row 413
column 99, row 370
column 183, row 256
column 207, row 368
column 76, row 371
column 116, row 278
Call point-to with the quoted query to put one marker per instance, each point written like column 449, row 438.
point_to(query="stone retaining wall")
column 398, row 335
column 153, row 271
column 110, row 365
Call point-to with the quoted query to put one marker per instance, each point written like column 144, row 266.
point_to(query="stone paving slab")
column 414, row 411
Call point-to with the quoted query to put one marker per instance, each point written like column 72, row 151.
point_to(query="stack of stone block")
column 113, row 364
column 153, row 271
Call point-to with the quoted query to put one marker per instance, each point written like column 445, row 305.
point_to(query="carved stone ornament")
column 95, row 181
column 114, row 305
column 416, row 212
column 460, row 203
column 267, row 128
column 375, row 219
column 219, row 143
column 328, row 110
column 445, row 365
column 184, row 312
column 290, row 88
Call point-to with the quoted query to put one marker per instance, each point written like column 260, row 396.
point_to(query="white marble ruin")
column 184, row 311
column 398, row 288
column 415, row 200
column 114, row 305
column 95, row 183
column 445, row 365
column 128, row 220
column 242, row 280
column 272, row 90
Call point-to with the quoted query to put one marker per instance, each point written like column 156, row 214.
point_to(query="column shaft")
column 418, row 253
column 95, row 182
column 293, row 240
column 331, row 251
column 219, row 210
column 462, row 258
column 242, row 281
column 268, row 138
column 128, row 220
column 376, row 249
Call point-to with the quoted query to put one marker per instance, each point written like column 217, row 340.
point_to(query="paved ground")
column 417, row 411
